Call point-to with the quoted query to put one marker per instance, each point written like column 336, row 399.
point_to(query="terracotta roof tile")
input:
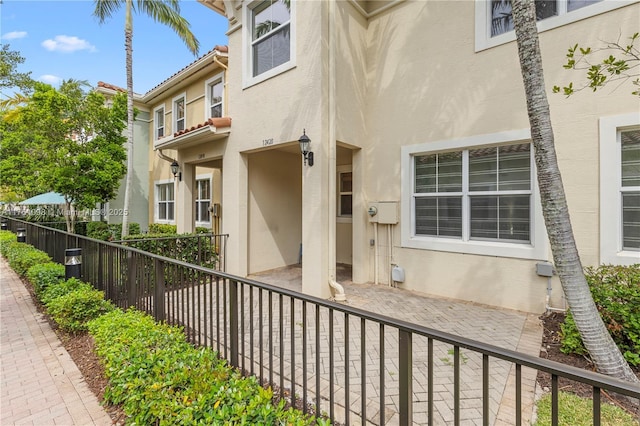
column 219, row 48
column 111, row 86
column 214, row 121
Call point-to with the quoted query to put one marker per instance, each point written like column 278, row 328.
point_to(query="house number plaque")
column 267, row 142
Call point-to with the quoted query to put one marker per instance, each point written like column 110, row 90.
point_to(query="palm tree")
column 596, row 338
column 166, row 12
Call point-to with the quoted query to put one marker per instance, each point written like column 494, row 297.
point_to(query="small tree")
column 615, row 62
column 606, row 355
column 71, row 142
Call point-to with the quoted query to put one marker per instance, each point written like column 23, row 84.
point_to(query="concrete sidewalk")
column 41, row 385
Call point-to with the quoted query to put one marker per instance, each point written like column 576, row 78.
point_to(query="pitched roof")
column 214, row 121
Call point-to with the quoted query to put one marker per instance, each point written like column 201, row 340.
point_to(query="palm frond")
column 105, row 9
column 167, row 12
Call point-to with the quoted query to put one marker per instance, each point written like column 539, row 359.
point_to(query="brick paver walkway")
column 40, row 384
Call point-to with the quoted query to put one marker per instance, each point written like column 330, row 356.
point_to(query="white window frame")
column 155, row 123
column 156, row 206
column 564, row 17
column 537, row 248
column 248, row 79
column 199, row 178
column 610, row 189
column 340, row 170
column 174, row 117
column 218, row 78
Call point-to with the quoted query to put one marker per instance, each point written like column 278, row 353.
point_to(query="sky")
column 62, row 40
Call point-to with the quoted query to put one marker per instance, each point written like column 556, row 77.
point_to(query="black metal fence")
column 352, row 365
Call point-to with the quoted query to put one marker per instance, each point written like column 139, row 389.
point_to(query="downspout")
column 163, row 156
column 338, row 290
column 547, row 302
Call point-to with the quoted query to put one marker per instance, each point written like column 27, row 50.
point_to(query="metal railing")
column 349, row 364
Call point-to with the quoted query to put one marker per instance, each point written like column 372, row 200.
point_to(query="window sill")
column 252, row 81
column 483, row 248
column 344, row 219
column 623, row 257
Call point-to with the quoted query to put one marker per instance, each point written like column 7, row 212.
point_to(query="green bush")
column 162, row 228
column 44, row 275
column 170, row 245
column 73, row 310
column 62, row 288
column 616, row 292
column 98, row 230
column 159, row 378
column 6, row 238
column 109, row 232
column 22, row 256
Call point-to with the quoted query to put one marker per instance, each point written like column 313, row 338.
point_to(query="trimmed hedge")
column 109, row 232
column 22, row 256
column 159, row 378
column 616, row 292
column 62, row 288
column 44, row 275
column 74, row 310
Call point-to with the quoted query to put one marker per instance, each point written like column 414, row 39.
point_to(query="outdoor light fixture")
column 305, row 142
column 21, row 235
column 72, row 263
column 175, row 169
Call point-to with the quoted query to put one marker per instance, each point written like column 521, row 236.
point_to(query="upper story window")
column 270, row 39
column 158, row 114
column 494, row 20
column 620, row 189
column 179, row 113
column 475, row 195
column 214, row 94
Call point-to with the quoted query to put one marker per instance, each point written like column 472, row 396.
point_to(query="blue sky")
column 62, row 40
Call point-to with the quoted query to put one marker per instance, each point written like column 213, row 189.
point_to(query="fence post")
column 406, row 377
column 131, row 278
column 233, row 321
column 159, row 291
column 100, row 269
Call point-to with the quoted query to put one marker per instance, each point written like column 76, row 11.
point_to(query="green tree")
column 9, row 75
column 68, row 141
column 597, row 340
column 615, row 62
column 166, row 12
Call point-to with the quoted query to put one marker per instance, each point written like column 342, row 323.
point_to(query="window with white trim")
column 493, row 184
column 620, row 189
column 475, row 195
column 165, row 201
column 179, row 113
column 345, row 194
column 158, row 115
column 269, row 37
column 494, row 20
column 203, row 201
column 214, row 89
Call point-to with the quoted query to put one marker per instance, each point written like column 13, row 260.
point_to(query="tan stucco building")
column 423, row 175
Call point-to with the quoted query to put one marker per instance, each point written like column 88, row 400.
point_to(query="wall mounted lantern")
column 305, row 143
column 175, row 169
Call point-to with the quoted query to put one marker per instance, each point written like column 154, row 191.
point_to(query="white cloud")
column 50, row 79
column 67, row 44
column 14, row 35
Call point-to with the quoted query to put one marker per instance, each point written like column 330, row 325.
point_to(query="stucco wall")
column 426, row 83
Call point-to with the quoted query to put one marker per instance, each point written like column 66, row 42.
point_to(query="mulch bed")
column 551, row 350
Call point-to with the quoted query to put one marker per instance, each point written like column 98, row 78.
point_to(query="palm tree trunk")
column 128, row 43
column 596, row 338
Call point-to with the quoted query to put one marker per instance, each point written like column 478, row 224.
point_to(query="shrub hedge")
column 109, row 232
column 616, row 292
column 159, row 378
column 44, row 275
column 154, row 373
